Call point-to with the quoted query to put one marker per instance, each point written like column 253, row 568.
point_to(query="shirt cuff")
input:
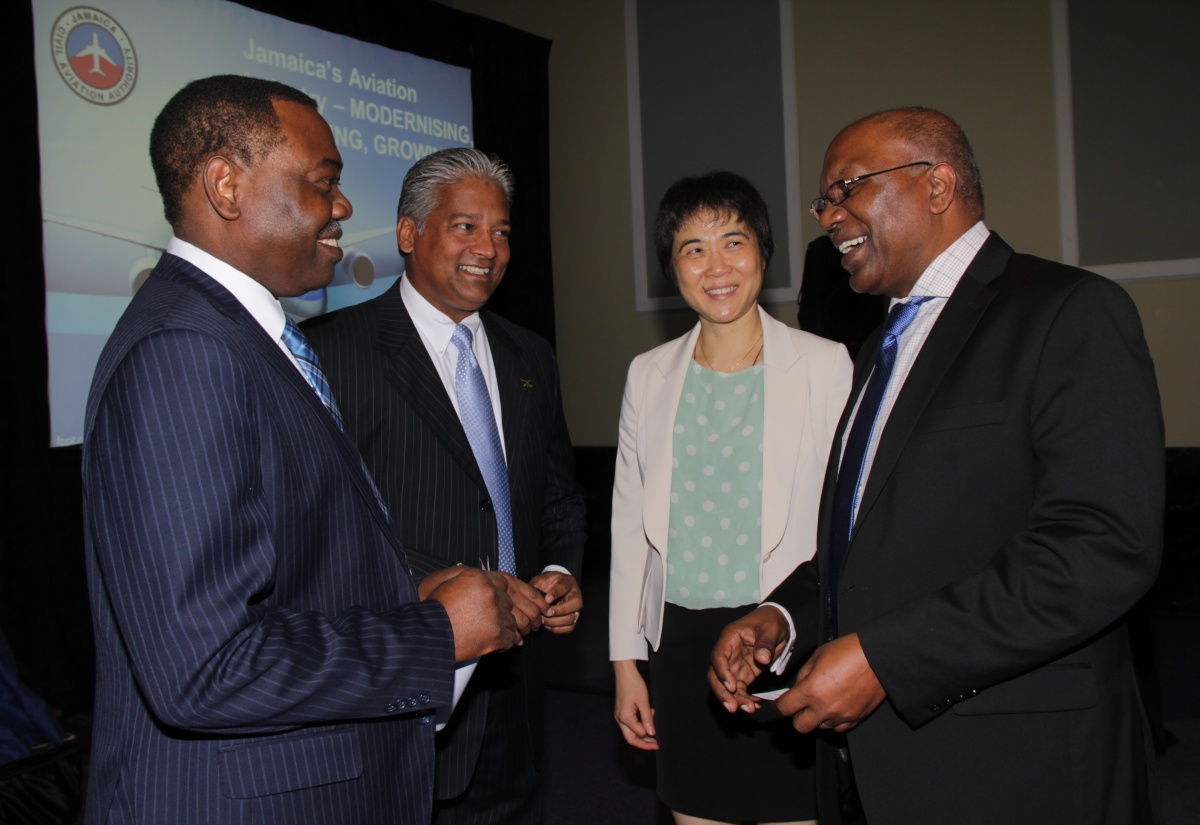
column 781, row 663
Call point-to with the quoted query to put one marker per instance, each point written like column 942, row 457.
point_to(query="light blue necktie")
column 479, row 422
column 845, row 492
column 310, row 368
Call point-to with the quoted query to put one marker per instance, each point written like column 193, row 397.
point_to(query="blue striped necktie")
column 310, row 368
column 479, row 422
column 850, row 471
column 302, row 351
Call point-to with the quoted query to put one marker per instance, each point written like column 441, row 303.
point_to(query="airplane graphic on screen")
column 357, row 267
column 97, row 53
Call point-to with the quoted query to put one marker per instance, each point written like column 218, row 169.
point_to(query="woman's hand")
column 633, row 713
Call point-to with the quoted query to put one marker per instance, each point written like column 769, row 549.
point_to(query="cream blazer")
column 806, row 382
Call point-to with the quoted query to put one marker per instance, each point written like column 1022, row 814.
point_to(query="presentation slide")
column 103, row 74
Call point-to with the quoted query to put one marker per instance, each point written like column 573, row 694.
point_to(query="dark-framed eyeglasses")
column 840, row 190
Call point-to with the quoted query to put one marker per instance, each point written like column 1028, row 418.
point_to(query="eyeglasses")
column 840, row 190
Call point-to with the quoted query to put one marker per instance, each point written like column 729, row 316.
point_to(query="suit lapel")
column 252, row 333
column 412, row 373
column 514, row 399
column 950, row 333
column 256, row 338
column 664, row 383
column 784, row 426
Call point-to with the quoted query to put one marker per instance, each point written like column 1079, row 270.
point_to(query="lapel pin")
column 526, row 384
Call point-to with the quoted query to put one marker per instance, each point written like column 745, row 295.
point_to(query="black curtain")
column 43, row 599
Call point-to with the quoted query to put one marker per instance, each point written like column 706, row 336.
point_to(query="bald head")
column 897, row 189
column 935, row 135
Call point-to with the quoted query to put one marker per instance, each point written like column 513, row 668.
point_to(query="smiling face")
column 885, row 229
column 718, row 266
column 291, row 207
column 457, row 262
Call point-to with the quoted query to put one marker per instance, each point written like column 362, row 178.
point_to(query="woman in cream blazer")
column 714, row 241
column 807, row 382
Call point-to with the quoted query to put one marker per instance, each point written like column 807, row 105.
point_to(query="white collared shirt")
column 938, row 281
column 256, row 298
column 436, row 328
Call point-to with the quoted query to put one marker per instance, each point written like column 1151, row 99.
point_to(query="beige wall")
column 991, row 70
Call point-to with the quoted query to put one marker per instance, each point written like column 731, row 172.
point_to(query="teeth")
column 725, row 290
column 328, row 242
column 843, row 248
column 475, row 270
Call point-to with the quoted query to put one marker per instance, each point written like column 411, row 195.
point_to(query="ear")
column 222, row 180
column 943, row 182
column 406, row 235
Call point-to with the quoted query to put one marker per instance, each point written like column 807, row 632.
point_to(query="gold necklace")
column 704, row 355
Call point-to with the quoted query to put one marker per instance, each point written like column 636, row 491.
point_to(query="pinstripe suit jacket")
column 261, row 655
column 399, row 413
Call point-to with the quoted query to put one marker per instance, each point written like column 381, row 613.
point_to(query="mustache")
column 334, row 227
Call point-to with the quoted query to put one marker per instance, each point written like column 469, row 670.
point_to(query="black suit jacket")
column 398, row 411
column 1013, row 514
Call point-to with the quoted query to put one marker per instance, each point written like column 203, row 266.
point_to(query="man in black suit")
column 990, row 513
column 397, row 365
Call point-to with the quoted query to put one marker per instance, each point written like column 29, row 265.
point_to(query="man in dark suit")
column 991, row 511
column 263, row 653
column 398, row 365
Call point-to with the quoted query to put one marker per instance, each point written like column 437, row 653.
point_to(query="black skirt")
column 711, row 763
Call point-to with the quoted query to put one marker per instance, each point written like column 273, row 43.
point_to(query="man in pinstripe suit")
column 392, row 363
column 263, row 652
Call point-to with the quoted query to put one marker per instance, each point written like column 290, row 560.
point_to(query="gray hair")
column 424, row 182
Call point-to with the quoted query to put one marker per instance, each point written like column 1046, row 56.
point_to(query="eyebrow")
column 330, row 162
column 475, row 216
column 741, row 233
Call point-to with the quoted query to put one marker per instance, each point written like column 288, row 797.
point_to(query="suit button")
column 391, row 707
column 423, row 698
column 485, row 506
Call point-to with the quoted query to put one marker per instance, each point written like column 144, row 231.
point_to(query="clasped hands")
column 491, row 610
column 835, row 689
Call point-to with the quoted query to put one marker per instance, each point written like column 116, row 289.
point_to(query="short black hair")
column 224, row 113
column 724, row 194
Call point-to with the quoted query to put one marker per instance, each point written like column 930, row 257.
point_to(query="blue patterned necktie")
column 479, row 422
column 845, row 492
column 310, row 368
column 302, row 351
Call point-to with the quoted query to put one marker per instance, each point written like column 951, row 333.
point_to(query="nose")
column 342, row 209
column 484, row 246
column 718, row 266
column 830, row 216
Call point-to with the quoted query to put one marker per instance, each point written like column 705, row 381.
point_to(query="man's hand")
column 563, row 598
column 835, row 689
column 745, row 649
column 430, row 583
column 480, row 610
column 529, row 605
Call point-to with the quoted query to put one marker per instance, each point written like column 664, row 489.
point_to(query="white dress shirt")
column 435, row 329
column 937, row 281
column 256, row 298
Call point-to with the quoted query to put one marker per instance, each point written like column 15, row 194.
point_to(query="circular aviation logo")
column 93, row 55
